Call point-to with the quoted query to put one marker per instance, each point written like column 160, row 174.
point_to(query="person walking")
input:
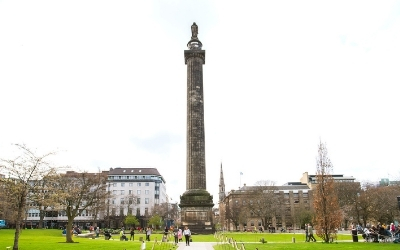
column 132, row 233
column 310, row 233
column 306, row 229
column 187, row 234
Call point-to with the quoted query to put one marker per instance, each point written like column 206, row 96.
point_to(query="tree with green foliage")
column 155, row 221
column 328, row 215
column 131, row 220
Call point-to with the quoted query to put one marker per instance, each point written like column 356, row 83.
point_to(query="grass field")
column 49, row 239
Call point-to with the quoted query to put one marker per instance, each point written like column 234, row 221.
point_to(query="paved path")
column 196, row 246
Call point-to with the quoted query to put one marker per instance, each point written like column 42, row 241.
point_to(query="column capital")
column 195, row 53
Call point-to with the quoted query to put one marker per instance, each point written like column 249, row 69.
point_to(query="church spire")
column 221, row 185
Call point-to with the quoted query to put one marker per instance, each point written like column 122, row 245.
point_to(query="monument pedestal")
column 196, row 211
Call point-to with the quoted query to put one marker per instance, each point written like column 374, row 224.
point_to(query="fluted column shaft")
column 195, row 140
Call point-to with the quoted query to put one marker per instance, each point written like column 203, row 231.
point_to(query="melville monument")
column 196, row 202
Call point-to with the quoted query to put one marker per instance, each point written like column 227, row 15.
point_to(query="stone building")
column 255, row 207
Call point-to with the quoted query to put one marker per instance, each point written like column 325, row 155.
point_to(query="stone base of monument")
column 196, row 211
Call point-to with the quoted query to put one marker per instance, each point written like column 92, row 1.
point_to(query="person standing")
column 148, row 233
column 97, row 232
column 143, row 247
column 176, row 236
column 132, row 233
column 187, row 234
column 179, row 234
column 310, row 233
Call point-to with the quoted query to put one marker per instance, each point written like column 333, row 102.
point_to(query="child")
column 143, row 247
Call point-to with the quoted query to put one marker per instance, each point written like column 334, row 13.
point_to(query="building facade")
column 131, row 191
column 269, row 206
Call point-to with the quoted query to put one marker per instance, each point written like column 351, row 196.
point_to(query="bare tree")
column 233, row 212
column 348, row 193
column 41, row 197
column 78, row 192
column 24, row 173
column 264, row 201
column 328, row 215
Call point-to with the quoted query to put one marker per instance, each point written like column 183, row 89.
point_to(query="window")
column 130, row 191
column 139, row 184
column 146, row 184
column 146, row 201
column 114, row 191
column 138, row 191
column 122, row 184
column 138, row 201
column 146, row 191
column 131, row 184
column 113, row 201
column 114, row 184
column 121, row 211
column 122, row 201
column 122, row 192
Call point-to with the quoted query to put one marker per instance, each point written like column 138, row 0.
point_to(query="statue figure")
column 195, row 31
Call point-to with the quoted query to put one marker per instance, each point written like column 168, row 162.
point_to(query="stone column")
column 195, row 141
column 196, row 203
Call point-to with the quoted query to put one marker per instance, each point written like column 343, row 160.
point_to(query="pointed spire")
column 221, row 185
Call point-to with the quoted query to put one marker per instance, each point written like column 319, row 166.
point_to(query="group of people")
column 178, row 233
column 309, row 233
column 380, row 231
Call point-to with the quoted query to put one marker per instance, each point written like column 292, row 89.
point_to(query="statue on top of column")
column 195, row 31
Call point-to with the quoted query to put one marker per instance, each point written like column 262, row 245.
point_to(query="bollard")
column 293, row 240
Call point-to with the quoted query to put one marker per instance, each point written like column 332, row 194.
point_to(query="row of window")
column 139, row 184
column 133, row 177
column 122, row 192
column 130, row 201
column 59, row 214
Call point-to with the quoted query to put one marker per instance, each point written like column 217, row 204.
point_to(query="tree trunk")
column 41, row 217
column 68, row 236
column 18, row 222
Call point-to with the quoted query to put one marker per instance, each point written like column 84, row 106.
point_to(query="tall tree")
column 78, row 192
column 264, row 202
column 328, row 215
column 233, row 212
column 24, row 173
column 348, row 193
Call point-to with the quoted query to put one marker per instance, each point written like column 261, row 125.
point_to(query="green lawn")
column 50, row 239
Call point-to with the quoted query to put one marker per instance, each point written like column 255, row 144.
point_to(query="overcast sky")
column 104, row 83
